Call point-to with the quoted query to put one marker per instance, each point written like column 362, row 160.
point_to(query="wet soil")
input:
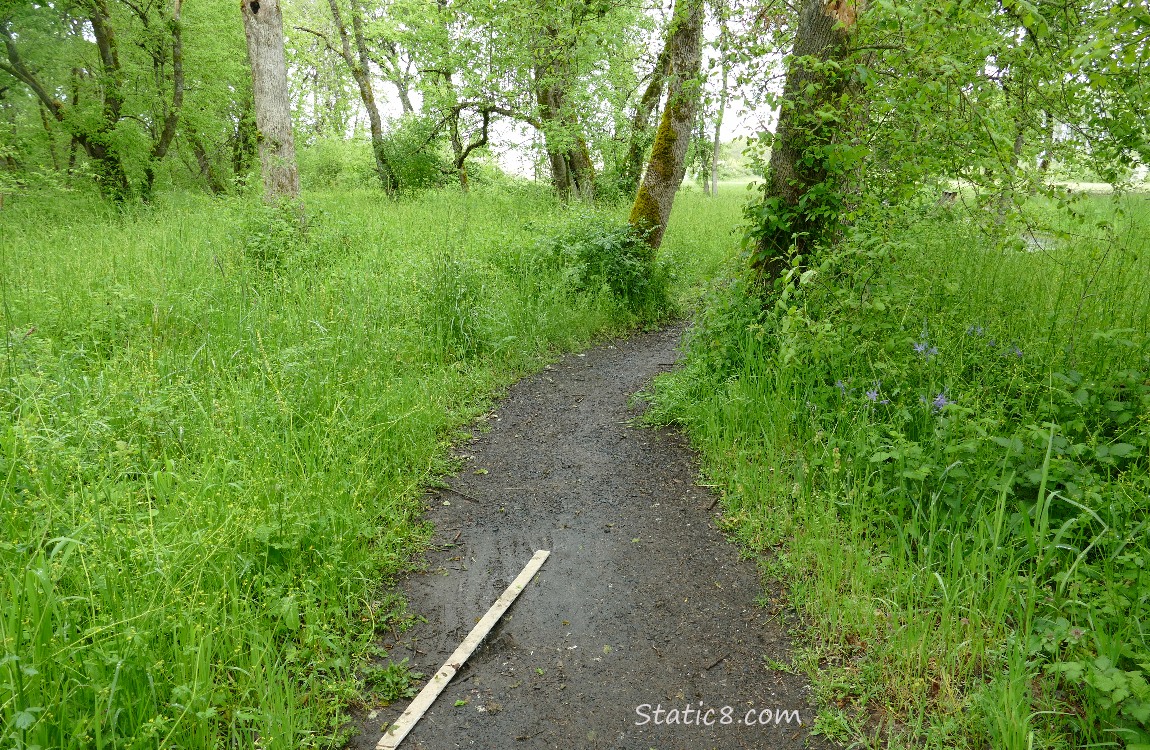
column 643, row 604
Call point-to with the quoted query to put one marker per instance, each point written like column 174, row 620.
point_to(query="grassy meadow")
column 938, row 437
column 217, row 424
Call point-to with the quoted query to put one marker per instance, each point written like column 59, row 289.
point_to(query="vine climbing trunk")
column 263, row 28
column 667, row 164
column 810, row 119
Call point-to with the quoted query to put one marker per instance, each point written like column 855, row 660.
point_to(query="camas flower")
column 925, row 349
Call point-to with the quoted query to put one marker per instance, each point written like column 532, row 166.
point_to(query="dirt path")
column 642, row 600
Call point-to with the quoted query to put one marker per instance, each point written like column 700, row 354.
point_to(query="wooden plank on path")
column 406, row 722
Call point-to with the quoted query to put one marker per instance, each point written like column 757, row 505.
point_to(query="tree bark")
column 572, row 171
column 810, row 92
column 667, row 165
column 641, row 123
column 263, row 28
column 207, row 169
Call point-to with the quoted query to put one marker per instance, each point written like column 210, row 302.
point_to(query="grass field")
column 217, row 425
column 939, row 438
column 215, row 431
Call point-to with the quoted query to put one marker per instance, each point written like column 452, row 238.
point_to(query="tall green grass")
column 215, row 426
column 939, row 435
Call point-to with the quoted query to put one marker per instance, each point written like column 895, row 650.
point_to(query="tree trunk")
column 667, row 165
column 109, row 167
column 207, row 169
column 702, row 152
column 167, row 134
column 51, row 138
column 812, row 90
column 404, row 96
column 360, row 65
column 457, row 157
column 245, row 139
column 263, row 28
column 363, row 79
column 572, row 172
column 641, row 123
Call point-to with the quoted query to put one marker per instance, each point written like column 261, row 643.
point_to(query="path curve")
column 642, row 601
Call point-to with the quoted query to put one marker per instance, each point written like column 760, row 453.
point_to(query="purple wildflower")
column 925, row 349
column 872, row 394
column 976, row 330
column 1016, row 351
column 940, row 401
column 841, row 386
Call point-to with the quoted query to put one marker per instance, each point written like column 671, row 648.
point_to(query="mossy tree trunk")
column 667, row 164
column 813, row 91
column 641, row 123
column 724, row 92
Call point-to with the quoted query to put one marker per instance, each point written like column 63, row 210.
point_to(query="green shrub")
column 414, row 149
column 596, row 253
column 337, row 163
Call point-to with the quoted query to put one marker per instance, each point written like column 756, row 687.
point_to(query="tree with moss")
column 668, row 162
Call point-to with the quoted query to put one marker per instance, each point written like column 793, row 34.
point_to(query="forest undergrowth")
column 937, row 435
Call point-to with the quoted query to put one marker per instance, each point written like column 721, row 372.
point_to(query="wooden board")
column 406, row 722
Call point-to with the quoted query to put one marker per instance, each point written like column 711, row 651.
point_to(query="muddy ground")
column 643, row 601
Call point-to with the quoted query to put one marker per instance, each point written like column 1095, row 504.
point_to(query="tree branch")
column 18, row 70
column 472, row 145
column 321, row 36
